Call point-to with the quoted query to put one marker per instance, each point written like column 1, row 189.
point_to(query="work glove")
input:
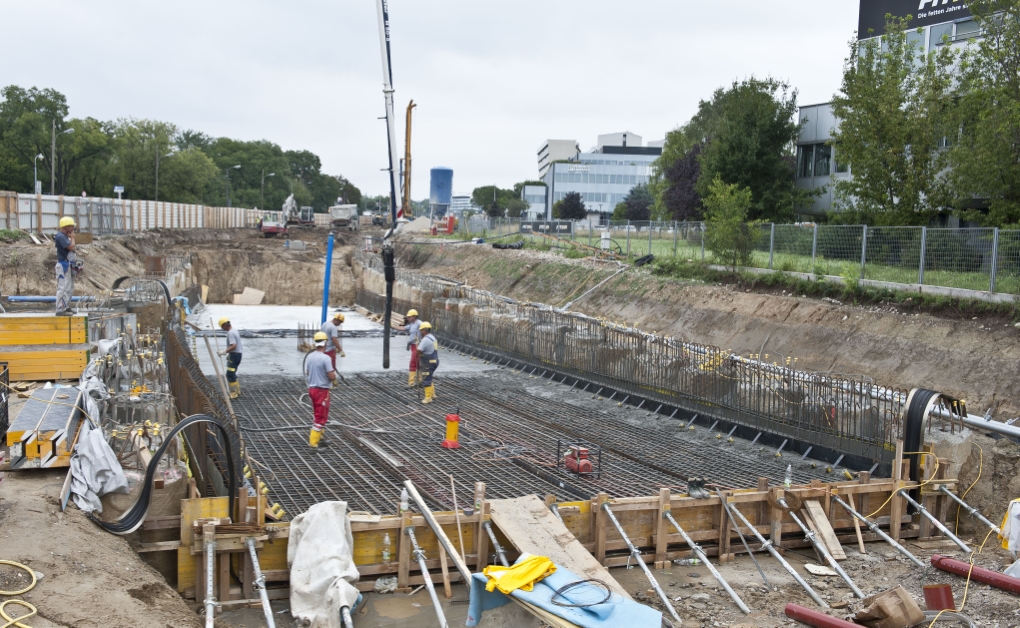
column 408, row 346
column 221, row 353
column 342, row 354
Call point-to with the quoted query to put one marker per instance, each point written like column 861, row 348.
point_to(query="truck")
column 344, row 216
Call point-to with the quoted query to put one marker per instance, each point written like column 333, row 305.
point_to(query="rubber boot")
column 430, row 394
column 235, row 390
column 411, row 376
column 314, row 438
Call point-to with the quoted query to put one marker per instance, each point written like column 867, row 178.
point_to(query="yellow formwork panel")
column 44, row 363
column 11, row 337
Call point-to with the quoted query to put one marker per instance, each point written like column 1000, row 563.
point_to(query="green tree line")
column 93, row 156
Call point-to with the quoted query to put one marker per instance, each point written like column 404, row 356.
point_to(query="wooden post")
column 662, row 530
column 865, row 478
column 404, row 552
column 600, row 528
column 857, row 524
column 481, row 536
column 724, row 531
column 926, row 470
column 942, row 504
column 896, row 504
column 763, row 512
column 776, row 520
column 445, row 569
column 224, row 577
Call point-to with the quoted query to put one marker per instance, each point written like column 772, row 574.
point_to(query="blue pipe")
column 325, row 283
column 34, row 299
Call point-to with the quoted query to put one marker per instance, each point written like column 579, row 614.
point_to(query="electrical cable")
column 966, row 588
column 981, row 464
column 12, row 621
column 560, row 592
column 133, row 518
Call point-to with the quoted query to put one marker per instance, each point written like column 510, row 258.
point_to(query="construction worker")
column 66, row 258
column 412, row 328
column 427, row 349
column 233, row 353
column 332, row 330
column 320, row 376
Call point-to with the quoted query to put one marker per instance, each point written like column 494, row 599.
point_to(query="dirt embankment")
column 225, row 260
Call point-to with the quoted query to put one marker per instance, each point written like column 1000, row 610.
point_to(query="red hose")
column 979, row 574
column 816, row 619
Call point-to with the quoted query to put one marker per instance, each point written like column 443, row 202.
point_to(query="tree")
column 619, row 212
column 571, row 207
column 727, row 233
column 516, row 206
column 26, row 118
column 638, row 202
column 894, row 109
column 986, row 159
column 679, row 199
column 746, row 135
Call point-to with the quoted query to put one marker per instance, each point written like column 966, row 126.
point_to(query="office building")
column 604, row 176
column 534, row 196
column 461, row 204
column 556, row 150
column 818, row 161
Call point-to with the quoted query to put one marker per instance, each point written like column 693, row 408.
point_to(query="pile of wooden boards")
column 43, row 346
column 396, row 318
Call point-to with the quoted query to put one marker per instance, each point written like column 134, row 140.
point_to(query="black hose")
column 133, row 518
column 913, row 428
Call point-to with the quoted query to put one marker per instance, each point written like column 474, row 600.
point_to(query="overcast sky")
column 492, row 80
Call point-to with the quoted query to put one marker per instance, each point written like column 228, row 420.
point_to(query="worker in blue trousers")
column 429, row 359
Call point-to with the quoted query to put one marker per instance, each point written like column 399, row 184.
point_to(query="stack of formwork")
column 43, row 346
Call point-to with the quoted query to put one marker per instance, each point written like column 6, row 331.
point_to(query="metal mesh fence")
column 893, row 254
column 5, row 396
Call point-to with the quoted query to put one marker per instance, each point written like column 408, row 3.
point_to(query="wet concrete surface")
column 256, row 317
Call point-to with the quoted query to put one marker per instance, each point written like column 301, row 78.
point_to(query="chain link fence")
column 983, row 259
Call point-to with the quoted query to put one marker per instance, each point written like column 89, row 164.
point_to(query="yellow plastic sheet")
column 523, row 575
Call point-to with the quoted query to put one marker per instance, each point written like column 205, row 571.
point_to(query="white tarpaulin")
column 322, row 571
column 95, row 470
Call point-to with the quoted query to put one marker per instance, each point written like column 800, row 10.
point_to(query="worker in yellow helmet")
column 428, row 350
column 320, row 376
column 233, row 353
column 412, row 326
column 66, row 258
column 332, row 329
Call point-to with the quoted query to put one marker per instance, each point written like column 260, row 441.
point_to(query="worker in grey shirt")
column 320, row 376
column 333, row 329
column 411, row 326
column 429, row 355
column 233, row 353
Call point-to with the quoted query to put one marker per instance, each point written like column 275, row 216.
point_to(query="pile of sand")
column 419, row 225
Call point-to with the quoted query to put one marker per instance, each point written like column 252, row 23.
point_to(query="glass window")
column 967, row 29
column 937, row 33
column 841, row 167
column 823, row 157
column 915, row 39
column 805, row 161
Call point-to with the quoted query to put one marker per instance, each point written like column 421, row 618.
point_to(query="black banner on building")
column 921, row 13
column 552, row 227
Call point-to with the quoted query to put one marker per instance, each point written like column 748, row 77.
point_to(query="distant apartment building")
column 556, row 150
column 931, row 23
column 604, row 176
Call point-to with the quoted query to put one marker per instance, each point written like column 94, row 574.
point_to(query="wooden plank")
column 857, row 525
column 824, row 529
column 403, row 551
column 531, row 527
column 600, row 530
column 446, row 572
column 662, row 529
column 776, row 520
column 896, row 505
column 161, row 546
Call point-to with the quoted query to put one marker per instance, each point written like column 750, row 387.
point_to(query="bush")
column 727, row 234
column 10, row 236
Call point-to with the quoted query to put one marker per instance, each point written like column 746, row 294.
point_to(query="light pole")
column 53, row 154
column 35, row 173
column 228, row 182
column 158, row 152
column 264, row 175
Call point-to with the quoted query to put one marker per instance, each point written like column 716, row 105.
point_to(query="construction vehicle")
column 344, row 216
column 270, row 227
column 294, row 215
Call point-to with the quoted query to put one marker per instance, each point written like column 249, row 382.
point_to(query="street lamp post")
column 53, row 154
column 264, row 175
column 35, row 173
column 227, row 171
column 158, row 152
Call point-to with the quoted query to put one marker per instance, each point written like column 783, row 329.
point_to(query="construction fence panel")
column 959, row 258
column 792, row 247
column 1007, row 262
column 42, row 213
column 893, row 254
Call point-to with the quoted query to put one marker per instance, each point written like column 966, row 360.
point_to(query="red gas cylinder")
column 577, row 460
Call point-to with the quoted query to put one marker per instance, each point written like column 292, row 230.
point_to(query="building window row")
column 585, row 177
column 816, row 160
column 592, row 197
column 607, row 162
column 535, row 199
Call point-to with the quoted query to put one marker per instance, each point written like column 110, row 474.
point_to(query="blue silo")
column 441, row 190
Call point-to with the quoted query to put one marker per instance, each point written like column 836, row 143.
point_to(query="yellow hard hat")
column 320, row 336
column 223, row 321
column 338, row 315
column 425, row 325
column 412, row 312
column 66, row 221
